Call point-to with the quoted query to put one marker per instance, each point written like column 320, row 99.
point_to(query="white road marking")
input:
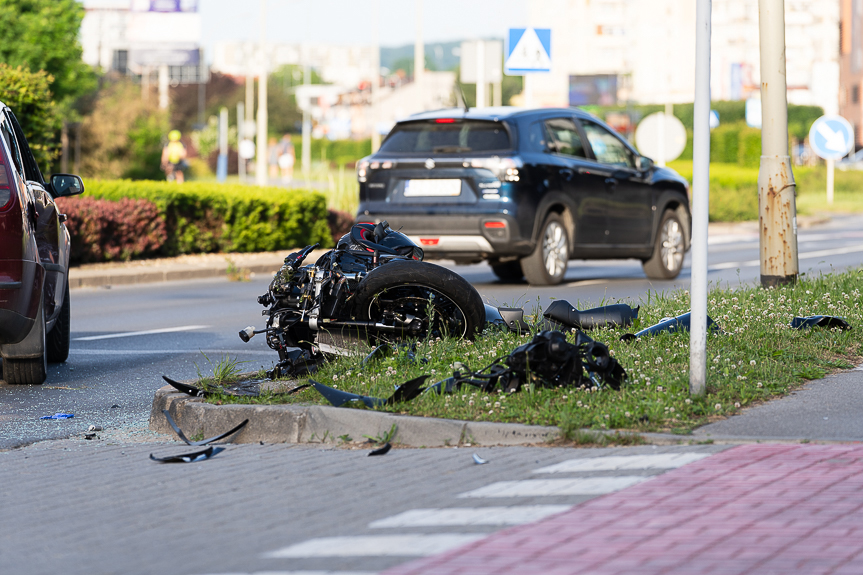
column 74, row 351
column 618, row 462
column 301, row 573
column 146, row 332
column 377, row 545
column 547, row 487
column 802, row 256
column 497, row 516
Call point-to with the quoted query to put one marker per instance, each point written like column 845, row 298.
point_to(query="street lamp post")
column 700, row 202
column 262, row 155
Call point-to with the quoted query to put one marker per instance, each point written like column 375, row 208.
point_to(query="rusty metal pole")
column 777, row 209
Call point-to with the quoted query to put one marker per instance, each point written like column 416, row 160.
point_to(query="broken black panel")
column 202, row 442
column 828, row 321
column 381, row 450
column 185, row 387
column 189, row 457
column 562, row 313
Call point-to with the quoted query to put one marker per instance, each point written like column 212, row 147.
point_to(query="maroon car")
column 34, row 260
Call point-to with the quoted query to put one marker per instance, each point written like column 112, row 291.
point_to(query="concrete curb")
column 324, row 424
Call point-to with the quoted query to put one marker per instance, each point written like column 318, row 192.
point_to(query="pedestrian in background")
column 286, row 158
column 174, row 158
column 273, row 158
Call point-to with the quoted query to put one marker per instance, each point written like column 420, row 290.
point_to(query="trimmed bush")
column 202, row 218
column 103, row 230
column 340, row 223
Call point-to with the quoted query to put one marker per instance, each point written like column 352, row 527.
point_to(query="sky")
column 349, row 21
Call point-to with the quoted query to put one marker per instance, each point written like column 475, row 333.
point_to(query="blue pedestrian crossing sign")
column 528, row 50
column 831, row 137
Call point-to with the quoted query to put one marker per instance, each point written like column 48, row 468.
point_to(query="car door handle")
column 566, row 174
column 610, row 184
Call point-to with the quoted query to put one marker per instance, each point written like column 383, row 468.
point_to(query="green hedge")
column 202, row 218
column 337, row 152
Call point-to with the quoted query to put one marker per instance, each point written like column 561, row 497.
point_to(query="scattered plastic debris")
column 185, row 387
column 670, row 325
column 89, row 436
column 381, row 450
column 202, row 442
column 58, row 416
column 94, row 428
column 511, row 317
column 189, row 457
column 405, row 392
column 479, row 460
column 562, row 314
column 828, row 321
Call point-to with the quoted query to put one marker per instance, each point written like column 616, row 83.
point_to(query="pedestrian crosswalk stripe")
column 620, row 462
column 496, row 516
column 548, row 487
column 377, row 545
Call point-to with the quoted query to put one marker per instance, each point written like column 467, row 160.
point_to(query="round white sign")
column 247, row 149
column 660, row 137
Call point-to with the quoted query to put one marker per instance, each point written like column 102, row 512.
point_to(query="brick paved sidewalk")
column 765, row 509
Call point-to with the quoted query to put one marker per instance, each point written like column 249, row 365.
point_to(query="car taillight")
column 506, row 169
column 363, row 171
column 6, row 182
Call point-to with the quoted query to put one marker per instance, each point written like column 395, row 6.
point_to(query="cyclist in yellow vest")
column 174, row 157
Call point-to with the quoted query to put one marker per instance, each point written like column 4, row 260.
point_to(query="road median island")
column 756, row 357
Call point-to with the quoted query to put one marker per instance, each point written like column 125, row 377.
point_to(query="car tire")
column 57, row 340
column 508, row 271
column 548, row 262
column 668, row 251
column 28, row 371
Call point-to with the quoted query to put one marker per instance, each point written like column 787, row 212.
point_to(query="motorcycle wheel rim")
column 444, row 307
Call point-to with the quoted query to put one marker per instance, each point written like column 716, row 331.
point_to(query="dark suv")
column 34, row 260
column 526, row 190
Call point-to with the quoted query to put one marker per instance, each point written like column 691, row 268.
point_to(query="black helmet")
column 369, row 238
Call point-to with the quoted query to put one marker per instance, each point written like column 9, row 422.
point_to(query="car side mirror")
column 66, row 185
column 643, row 163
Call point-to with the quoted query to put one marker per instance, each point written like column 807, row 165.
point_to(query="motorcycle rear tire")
column 443, row 282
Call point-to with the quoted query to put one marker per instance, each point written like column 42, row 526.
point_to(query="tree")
column 43, row 35
column 29, row 96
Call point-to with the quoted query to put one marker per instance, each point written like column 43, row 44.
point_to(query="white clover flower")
column 737, row 405
column 752, row 362
column 687, row 401
column 627, row 414
column 470, row 402
column 335, row 378
column 660, row 388
column 671, row 409
column 497, row 404
column 759, row 384
column 717, row 406
column 606, row 416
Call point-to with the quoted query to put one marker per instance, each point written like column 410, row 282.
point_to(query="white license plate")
column 414, row 188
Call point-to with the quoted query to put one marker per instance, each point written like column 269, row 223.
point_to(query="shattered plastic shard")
column 382, row 450
column 185, row 387
column 828, row 321
column 478, row 460
column 562, row 312
column 679, row 323
column 339, row 398
column 189, row 457
column 203, row 442
column 58, row 416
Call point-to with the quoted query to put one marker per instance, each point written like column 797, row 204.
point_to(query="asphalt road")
column 125, row 338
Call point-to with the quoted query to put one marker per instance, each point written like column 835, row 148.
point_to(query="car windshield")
column 453, row 137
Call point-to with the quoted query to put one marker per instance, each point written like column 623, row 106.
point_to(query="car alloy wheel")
column 555, row 253
column 672, row 246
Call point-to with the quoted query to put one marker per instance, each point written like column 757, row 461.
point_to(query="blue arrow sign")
column 831, row 137
column 528, row 50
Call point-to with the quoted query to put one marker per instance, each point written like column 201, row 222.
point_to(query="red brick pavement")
column 754, row 509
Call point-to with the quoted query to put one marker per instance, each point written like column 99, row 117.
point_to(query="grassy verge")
column 758, row 357
column 734, row 190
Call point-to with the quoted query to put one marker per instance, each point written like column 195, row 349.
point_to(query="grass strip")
column 757, row 357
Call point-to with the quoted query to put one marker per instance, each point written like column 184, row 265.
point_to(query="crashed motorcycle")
column 373, row 288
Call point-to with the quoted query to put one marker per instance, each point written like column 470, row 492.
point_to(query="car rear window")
column 447, row 138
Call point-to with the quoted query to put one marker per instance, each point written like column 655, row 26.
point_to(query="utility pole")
column 222, row 164
column 262, row 155
column 163, row 86
column 376, row 74
column 307, row 121
column 777, row 209
column 241, row 135
column 480, row 75
column 419, row 57
column 250, row 97
column 700, row 202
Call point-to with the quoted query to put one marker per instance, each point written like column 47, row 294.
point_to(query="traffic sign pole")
column 777, row 210
column 831, row 138
column 831, row 166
